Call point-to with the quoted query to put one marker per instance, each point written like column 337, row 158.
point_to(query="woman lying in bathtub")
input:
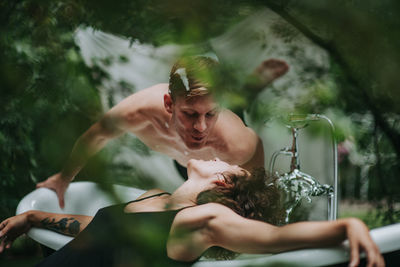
column 220, row 205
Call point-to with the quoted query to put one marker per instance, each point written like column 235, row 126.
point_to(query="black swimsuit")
column 116, row 238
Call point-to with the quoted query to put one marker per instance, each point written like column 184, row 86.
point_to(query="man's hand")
column 268, row 71
column 58, row 184
column 360, row 240
column 271, row 69
column 12, row 228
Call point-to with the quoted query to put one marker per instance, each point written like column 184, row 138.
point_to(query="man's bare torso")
column 144, row 115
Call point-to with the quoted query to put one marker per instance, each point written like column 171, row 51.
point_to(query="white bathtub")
column 86, row 198
column 80, row 198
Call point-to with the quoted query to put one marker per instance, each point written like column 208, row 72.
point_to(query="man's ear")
column 168, row 103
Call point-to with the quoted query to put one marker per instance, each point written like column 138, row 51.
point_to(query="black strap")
column 156, row 195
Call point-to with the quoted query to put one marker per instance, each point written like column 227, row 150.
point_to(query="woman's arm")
column 15, row 226
column 243, row 235
column 66, row 224
column 216, row 225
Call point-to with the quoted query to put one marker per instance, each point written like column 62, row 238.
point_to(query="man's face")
column 194, row 119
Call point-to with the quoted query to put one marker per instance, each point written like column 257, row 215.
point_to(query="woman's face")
column 211, row 169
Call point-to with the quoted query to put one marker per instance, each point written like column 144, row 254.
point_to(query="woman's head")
column 213, row 170
column 251, row 195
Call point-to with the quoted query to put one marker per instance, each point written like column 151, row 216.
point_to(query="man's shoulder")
column 234, row 139
column 147, row 98
column 139, row 107
column 227, row 117
column 153, row 94
column 232, row 129
column 159, row 88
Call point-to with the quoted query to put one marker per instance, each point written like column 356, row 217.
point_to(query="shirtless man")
column 179, row 119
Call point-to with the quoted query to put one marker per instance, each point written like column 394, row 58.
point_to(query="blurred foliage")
column 362, row 38
column 372, row 217
column 48, row 96
column 25, row 252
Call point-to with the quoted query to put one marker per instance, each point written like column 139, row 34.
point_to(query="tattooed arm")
column 66, row 224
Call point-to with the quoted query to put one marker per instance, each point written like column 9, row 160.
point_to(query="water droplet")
column 166, row 125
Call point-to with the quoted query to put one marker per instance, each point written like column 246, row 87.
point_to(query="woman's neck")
column 186, row 194
column 183, row 196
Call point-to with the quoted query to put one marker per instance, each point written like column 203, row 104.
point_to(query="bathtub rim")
column 386, row 238
column 55, row 240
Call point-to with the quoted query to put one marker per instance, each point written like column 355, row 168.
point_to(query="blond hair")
column 191, row 76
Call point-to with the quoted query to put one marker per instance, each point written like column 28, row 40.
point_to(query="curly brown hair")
column 252, row 196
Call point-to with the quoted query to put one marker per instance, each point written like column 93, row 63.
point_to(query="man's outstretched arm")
column 88, row 144
column 125, row 116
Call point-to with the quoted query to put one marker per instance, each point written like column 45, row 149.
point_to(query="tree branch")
column 393, row 136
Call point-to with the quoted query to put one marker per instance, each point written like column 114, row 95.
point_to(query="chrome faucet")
column 298, row 185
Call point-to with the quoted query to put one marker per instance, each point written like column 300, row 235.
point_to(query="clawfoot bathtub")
column 87, row 197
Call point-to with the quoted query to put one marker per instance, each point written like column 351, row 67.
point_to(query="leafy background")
column 42, row 113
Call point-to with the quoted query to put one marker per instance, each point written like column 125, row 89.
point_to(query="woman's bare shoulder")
column 202, row 213
column 208, row 207
column 151, row 193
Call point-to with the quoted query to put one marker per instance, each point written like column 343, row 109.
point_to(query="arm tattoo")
column 68, row 226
